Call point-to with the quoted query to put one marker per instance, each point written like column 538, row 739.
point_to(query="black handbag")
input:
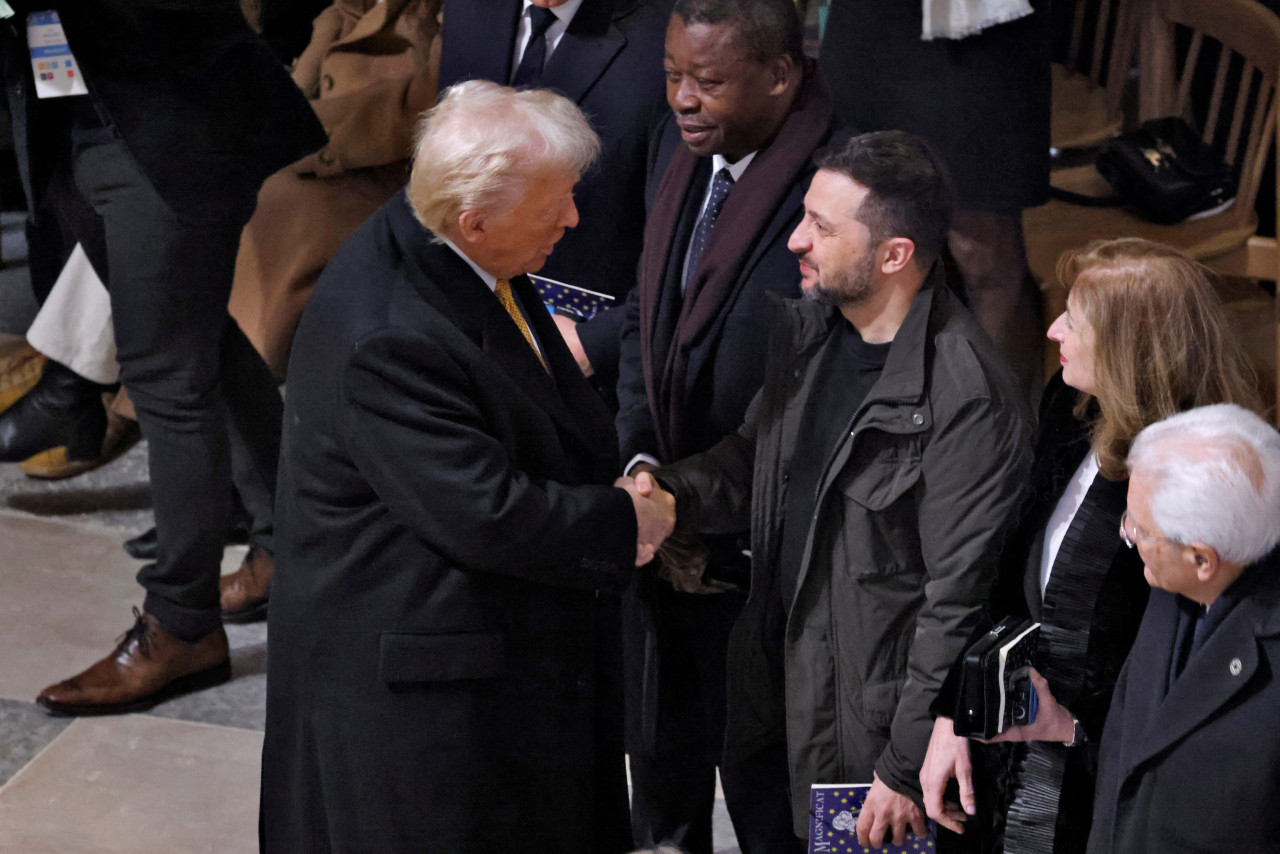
column 1162, row 171
column 995, row 690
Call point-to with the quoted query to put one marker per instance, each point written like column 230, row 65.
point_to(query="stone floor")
column 180, row 779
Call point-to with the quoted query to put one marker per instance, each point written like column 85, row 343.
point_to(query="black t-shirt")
column 850, row 367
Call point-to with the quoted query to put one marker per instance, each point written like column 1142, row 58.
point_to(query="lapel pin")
column 1235, row 667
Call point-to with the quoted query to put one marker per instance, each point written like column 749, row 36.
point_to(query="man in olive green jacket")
column 879, row 469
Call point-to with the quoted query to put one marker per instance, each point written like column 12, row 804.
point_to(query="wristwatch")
column 1077, row 733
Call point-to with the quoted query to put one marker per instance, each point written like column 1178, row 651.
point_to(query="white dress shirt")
column 564, row 14
column 1063, row 514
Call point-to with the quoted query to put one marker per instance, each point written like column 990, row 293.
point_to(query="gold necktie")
column 503, row 291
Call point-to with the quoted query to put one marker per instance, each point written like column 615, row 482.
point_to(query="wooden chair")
column 1215, row 63
column 1097, row 40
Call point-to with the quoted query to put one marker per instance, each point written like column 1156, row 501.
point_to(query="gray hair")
column 477, row 145
column 1215, row 479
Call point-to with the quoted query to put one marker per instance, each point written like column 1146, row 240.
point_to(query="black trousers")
column 202, row 393
column 757, row 792
column 673, row 769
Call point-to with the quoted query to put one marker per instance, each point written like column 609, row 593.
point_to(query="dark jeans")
column 199, row 387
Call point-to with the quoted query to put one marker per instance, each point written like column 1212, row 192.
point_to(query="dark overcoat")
column 1197, row 768
column 726, row 365
column 435, row 675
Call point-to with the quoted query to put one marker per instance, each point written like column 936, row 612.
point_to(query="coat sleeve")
column 599, row 337
column 713, row 489
column 973, row 472
column 415, row 433
column 636, row 433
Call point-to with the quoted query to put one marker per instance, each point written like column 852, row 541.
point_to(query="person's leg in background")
column 176, row 345
column 74, row 331
column 253, row 419
column 1003, row 295
column 59, row 426
column 674, row 780
column 168, row 295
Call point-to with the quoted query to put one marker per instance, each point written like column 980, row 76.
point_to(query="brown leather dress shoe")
column 245, row 591
column 149, row 665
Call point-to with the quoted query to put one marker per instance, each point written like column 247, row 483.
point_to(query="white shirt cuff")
column 638, row 458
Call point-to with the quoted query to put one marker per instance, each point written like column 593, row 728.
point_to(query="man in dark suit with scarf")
column 726, row 189
column 442, row 668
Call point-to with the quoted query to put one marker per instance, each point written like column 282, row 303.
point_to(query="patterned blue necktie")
column 720, row 186
column 535, row 49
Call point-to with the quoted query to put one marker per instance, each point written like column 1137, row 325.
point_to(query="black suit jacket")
column 609, row 62
column 1197, row 768
column 202, row 104
column 444, row 531
column 726, row 366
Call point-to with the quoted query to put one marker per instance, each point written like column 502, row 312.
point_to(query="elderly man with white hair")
column 1190, row 756
column 441, row 673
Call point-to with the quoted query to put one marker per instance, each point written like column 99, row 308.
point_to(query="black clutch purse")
column 1164, row 172
column 995, row 690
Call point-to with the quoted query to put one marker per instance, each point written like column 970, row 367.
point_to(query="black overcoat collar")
column 447, row 283
column 1153, row 722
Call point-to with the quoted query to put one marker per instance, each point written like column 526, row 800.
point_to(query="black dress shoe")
column 143, row 546
column 62, row 410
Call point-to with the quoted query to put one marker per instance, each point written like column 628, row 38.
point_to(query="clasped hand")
column 655, row 513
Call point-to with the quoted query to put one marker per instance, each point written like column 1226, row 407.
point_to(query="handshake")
column 655, row 513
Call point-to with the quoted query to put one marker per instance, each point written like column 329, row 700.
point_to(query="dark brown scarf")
column 747, row 211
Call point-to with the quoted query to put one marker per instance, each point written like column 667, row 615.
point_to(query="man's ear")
column 897, row 252
column 1203, row 560
column 472, row 226
column 782, row 68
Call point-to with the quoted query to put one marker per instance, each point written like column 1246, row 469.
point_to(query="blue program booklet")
column 570, row 300
column 833, row 823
